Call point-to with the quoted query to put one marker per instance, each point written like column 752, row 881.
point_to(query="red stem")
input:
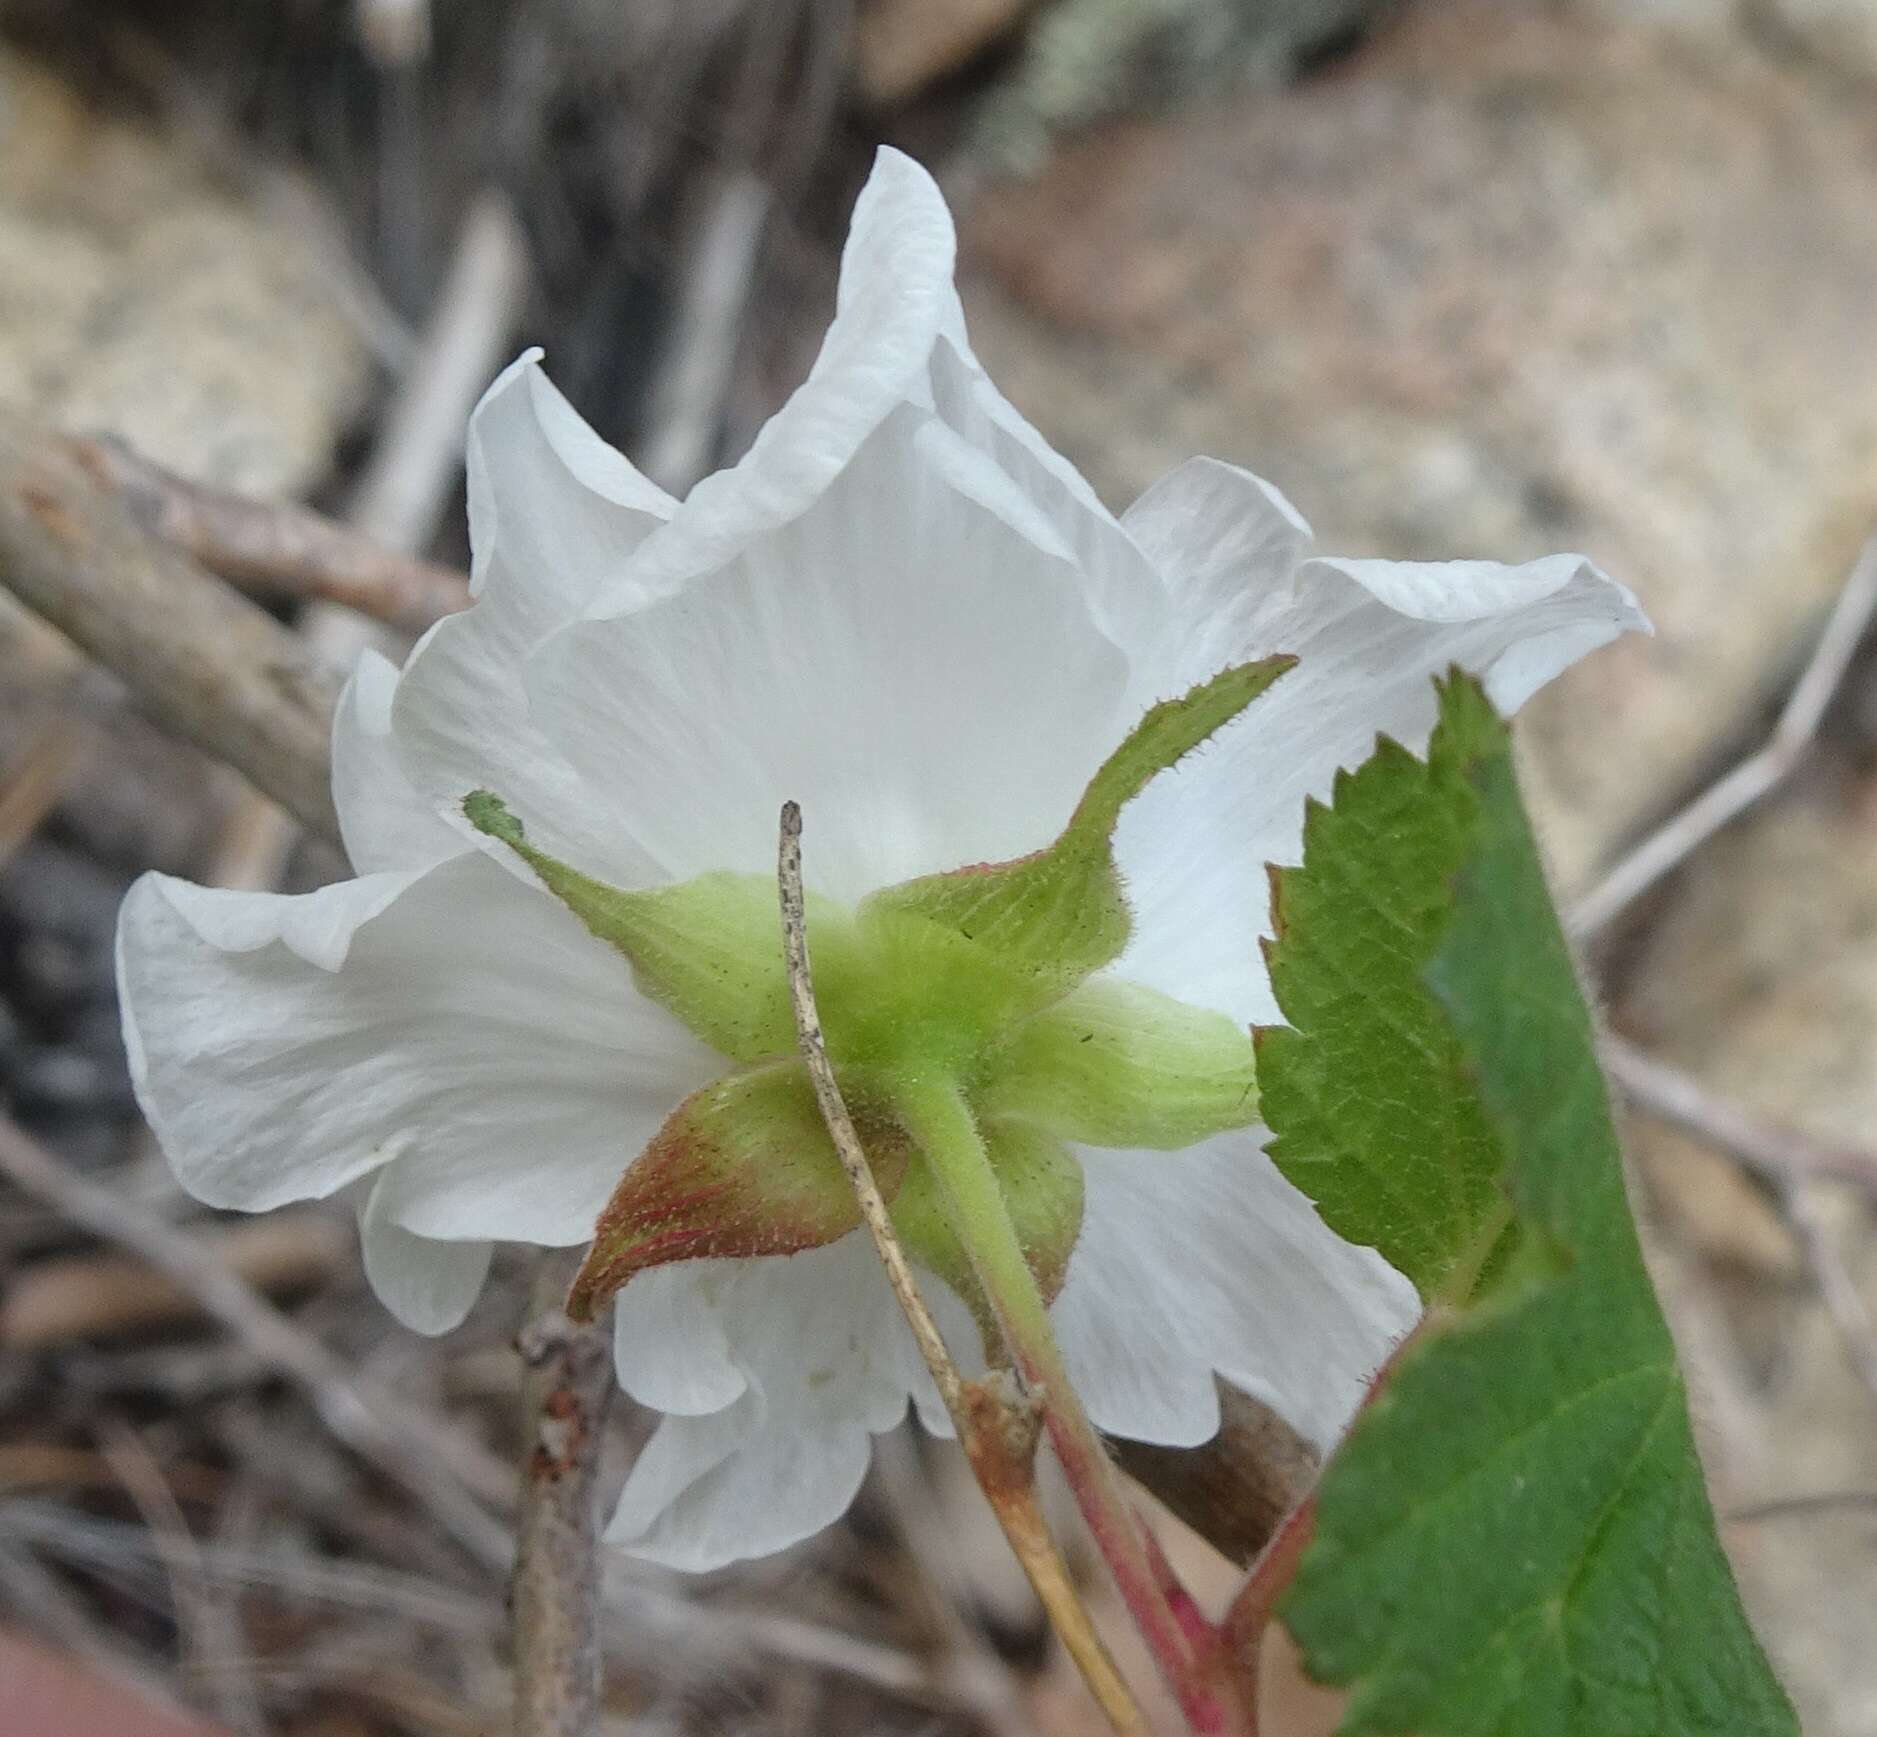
column 1141, row 1574
column 1200, row 1629
column 1241, row 1635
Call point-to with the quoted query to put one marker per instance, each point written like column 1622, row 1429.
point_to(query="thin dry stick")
column 1678, row 838
column 451, row 1475
column 700, row 357
column 135, row 1468
column 65, row 1298
column 39, row 776
column 648, row 1623
column 970, row 1659
column 206, row 663
column 1772, row 1150
column 418, row 459
column 1837, row 1290
column 555, row 1592
column 409, row 476
column 1802, row 1507
column 36, row 1593
column 985, row 1421
column 55, row 751
column 277, row 547
column 226, row 1662
column 1780, row 1157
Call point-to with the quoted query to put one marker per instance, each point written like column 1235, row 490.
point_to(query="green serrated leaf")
column 1366, row 1087
column 1515, row 1540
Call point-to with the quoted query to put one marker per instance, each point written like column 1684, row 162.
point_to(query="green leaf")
column 1514, row 1540
column 1366, row 1089
column 1061, row 913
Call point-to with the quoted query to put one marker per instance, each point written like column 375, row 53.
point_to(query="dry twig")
column 277, row 547
column 200, row 1615
column 36, row 777
column 555, row 1589
column 938, row 1557
column 1779, row 1154
column 687, row 399
column 27, row 1585
column 408, row 478
column 1783, row 1159
column 1678, row 838
column 418, row 458
column 207, row 664
column 440, row 1466
column 83, row 1296
column 647, row 1624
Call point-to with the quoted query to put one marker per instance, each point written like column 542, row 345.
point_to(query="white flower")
column 905, row 611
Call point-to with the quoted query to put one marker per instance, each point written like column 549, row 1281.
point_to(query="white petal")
column 1225, row 541
column 1124, row 589
column 316, row 927
column 1207, row 1259
column 1370, row 636
column 385, row 823
column 898, row 338
column 709, row 1491
column 809, row 1332
column 554, row 514
column 457, row 1018
column 554, row 511
column 912, row 659
column 428, row 1285
column 669, row 1344
column 796, row 1362
column 895, row 294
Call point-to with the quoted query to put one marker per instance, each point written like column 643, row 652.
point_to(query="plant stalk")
column 998, row 1436
column 1182, row 1644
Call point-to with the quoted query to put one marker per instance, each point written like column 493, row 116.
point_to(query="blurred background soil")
column 1489, row 277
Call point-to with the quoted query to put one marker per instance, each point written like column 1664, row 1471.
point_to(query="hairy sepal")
column 742, row 1168
column 1114, row 1064
column 708, row 950
column 1061, row 914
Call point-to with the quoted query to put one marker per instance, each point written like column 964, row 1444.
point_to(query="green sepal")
column 1114, row 1064
column 709, row 950
column 1042, row 1185
column 742, row 1168
column 1061, row 913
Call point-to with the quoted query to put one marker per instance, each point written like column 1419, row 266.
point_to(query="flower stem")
column 999, row 1439
column 939, row 1119
column 1242, row 1634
